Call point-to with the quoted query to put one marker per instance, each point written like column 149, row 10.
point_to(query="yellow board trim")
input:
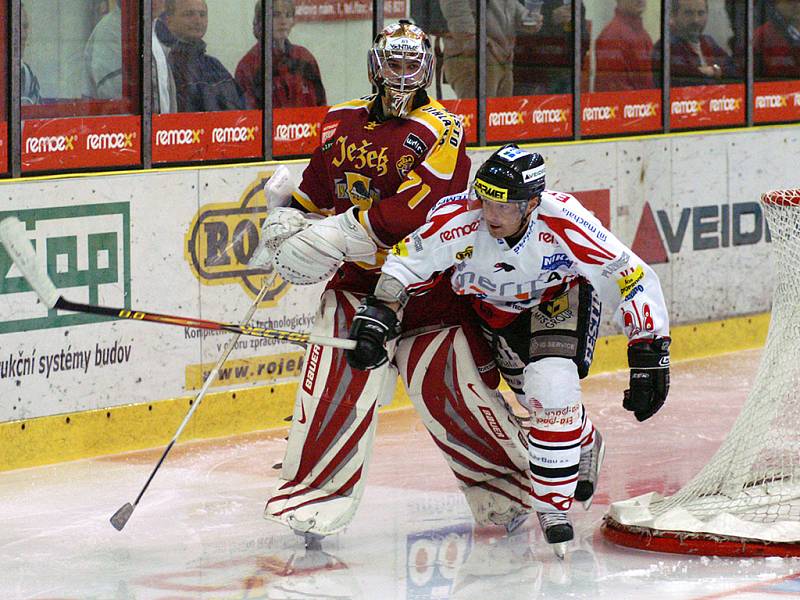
column 52, row 439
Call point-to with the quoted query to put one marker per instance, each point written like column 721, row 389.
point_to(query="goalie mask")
column 399, row 64
column 510, row 176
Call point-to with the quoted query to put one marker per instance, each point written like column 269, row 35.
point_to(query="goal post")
column 746, row 500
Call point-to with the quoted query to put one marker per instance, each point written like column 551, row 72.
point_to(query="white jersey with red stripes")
column 562, row 243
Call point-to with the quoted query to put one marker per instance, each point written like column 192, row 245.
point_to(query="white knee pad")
column 552, row 383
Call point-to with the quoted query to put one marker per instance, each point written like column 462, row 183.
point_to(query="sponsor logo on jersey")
column 547, row 237
column 460, row 231
column 492, row 422
column 404, row 164
column 311, row 369
column 328, row 131
column 233, row 135
column 556, row 306
column 505, row 267
column 49, row 144
column 616, row 266
column 556, row 261
column 415, row 144
column 362, row 156
column 109, row 141
column 465, row 253
column 400, row 248
column 487, row 190
column 628, row 283
column 178, row 137
column 585, row 223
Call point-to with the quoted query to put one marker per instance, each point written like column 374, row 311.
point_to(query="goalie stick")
column 12, row 236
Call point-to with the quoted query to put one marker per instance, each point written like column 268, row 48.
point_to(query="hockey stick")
column 12, row 236
column 120, row 518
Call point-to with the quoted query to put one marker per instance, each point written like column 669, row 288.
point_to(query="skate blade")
column 560, row 549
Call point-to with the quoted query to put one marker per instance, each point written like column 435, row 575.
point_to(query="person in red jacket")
column 296, row 80
column 623, row 50
column 776, row 43
column 695, row 58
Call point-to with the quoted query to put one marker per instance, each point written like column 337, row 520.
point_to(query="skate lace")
column 550, row 519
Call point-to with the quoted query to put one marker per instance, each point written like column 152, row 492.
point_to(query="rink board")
column 177, row 241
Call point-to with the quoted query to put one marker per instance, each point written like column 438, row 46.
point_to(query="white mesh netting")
column 750, row 490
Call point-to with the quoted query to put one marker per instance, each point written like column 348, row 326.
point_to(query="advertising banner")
column 634, row 111
column 185, row 137
column 707, row 106
column 345, row 10
column 776, row 101
column 296, row 131
column 524, row 117
column 3, row 147
column 682, row 203
column 80, row 142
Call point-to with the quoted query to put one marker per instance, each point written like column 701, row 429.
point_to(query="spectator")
column 29, row 85
column 202, row 82
column 776, row 44
column 543, row 62
column 102, row 56
column 695, row 58
column 296, row 80
column 503, row 19
column 164, row 93
column 623, row 50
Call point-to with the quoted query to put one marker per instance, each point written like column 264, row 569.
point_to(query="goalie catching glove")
column 649, row 382
column 279, row 226
column 315, row 253
column 373, row 326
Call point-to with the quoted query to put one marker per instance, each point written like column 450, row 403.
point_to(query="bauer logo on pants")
column 85, row 249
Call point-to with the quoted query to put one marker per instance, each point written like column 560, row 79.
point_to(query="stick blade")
column 20, row 250
column 121, row 517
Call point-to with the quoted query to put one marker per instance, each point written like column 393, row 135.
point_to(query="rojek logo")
column 85, row 249
column 223, row 236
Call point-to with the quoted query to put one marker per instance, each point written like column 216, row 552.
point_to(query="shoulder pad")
column 461, row 200
column 352, row 104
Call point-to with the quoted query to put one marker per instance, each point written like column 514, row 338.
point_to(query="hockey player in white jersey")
column 536, row 264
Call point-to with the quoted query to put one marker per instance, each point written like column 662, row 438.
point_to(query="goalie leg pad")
column 558, row 423
column 472, row 425
column 332, row 431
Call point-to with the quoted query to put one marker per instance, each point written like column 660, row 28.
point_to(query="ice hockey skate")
column 557, row 530
column 589, row 470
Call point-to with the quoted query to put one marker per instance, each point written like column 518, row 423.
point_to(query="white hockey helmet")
column 400, row 62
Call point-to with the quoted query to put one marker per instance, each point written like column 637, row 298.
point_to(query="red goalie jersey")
column 393, row 170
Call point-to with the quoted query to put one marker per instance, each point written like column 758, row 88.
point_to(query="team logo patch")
column 404, row 164
column 465, row 253
column 415, row 144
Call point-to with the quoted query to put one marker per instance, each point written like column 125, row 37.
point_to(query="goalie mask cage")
column 746, row 501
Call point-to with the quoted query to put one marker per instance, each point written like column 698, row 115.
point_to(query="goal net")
column 746, row 501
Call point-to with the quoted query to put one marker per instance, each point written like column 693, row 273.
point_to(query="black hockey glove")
column 649, row 383
column 374, row 325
